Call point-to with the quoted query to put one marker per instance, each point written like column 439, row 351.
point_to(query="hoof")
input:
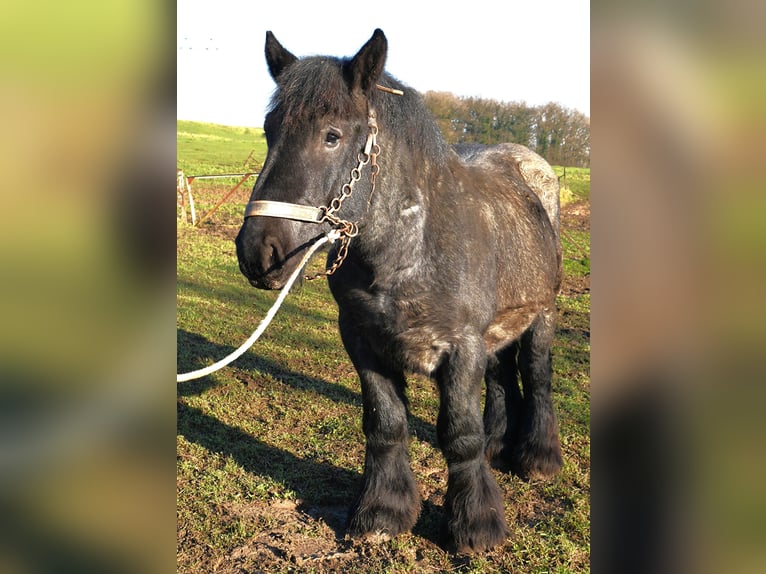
column 482, row 533
column 378, row 523
column 535, row 461
column 475, row 512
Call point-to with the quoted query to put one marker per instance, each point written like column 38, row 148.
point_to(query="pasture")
column 208, row 149
column 270, row 450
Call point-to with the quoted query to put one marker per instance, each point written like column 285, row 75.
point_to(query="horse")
column 447, row 263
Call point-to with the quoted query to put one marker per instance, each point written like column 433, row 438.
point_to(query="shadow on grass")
column 326, row 491
column 322, row 488
column 193, row 348
column 320, row 485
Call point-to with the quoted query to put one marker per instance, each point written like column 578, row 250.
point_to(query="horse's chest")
column 413, row 331
column 422, row 348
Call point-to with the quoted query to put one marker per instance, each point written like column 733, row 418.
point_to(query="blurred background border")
column 87, row 418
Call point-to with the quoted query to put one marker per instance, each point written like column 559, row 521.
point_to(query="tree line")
column 560, row 135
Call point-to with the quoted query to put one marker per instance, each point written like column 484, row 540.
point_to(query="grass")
column 575, row 183
column 208, row 149
column 270, row 450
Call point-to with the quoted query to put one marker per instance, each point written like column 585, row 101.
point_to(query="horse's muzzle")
column 265, row 282
column 261, row 258
column 270, row 278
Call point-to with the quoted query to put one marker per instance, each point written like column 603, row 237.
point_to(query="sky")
column 531, row 51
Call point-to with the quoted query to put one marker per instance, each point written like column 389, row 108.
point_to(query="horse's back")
column 535, row 171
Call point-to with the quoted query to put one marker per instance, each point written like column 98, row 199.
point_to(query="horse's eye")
column 331, row 138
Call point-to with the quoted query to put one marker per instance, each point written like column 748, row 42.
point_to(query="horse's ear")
column 363, row 71
column 277, row 57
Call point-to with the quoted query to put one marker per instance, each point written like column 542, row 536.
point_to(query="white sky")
column 536, row 51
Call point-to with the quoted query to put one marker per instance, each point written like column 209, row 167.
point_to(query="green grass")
column 270, row 449
column 207, row 149
column 575, row 186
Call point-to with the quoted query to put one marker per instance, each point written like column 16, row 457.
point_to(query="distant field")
column 207, row 149
column 575, row 183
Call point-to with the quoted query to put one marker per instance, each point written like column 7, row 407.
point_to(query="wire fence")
column 184, row 193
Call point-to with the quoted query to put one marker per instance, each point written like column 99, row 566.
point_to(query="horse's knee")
column 463, row 448
column 384, row 417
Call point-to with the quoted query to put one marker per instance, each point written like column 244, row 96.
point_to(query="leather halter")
column 343, row 228
column 285, row 210
column 309, row 214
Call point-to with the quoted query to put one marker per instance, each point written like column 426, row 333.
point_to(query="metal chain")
column 350, row 229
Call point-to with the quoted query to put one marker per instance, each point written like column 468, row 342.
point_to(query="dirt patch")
column 576, row 216
column 293, row 536
column 572, row 286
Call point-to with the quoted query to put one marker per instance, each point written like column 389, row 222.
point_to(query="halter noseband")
column 284, row 210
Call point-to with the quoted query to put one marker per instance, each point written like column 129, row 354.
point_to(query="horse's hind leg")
column 503, row 403
column 537, row 451
column 389, row 502
column 473, row 504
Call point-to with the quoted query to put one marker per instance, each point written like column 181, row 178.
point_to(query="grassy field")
column 270, row 450
column 574, row 182
column 208, row 149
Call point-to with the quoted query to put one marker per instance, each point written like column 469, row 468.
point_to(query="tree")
column 560, row 135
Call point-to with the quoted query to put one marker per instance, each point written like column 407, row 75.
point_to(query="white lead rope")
column 180, row 378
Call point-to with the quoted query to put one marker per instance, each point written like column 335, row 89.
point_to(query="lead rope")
column 345, row 231
column 183, row 377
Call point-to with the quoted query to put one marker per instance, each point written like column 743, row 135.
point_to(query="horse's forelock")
column 313, row 88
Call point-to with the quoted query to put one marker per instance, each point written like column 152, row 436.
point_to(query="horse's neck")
column 396, row 226
column 414, row 165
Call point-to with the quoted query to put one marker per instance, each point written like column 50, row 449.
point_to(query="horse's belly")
column 508, row 325
column 422, row 349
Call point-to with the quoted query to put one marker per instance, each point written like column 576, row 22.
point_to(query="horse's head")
column 316, row 129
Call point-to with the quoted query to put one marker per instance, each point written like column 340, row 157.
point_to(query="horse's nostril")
column 271, row 254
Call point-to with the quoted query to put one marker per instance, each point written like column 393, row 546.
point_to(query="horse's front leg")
column 474, row 504
column 389, row 502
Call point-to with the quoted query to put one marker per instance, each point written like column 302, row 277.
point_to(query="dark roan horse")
column 448, row 264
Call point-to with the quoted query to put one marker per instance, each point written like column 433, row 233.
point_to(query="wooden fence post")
column 183, row 185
